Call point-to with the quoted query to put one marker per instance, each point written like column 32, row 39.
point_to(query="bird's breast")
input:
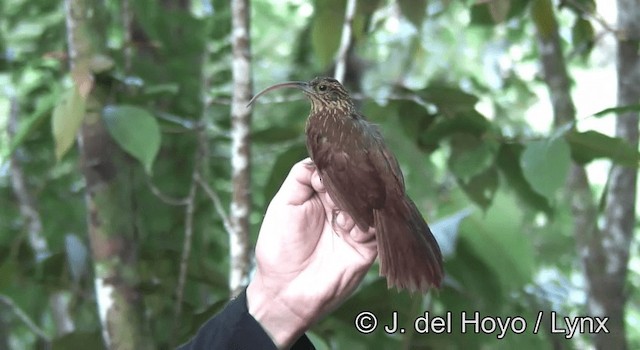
column 332, row 128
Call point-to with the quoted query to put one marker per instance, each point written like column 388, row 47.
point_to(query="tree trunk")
column 604, row 253
column 240, row 147
column 345, row 41
column 608, row 294
column 110, row 208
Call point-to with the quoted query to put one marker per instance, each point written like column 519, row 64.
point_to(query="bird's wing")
column 386, row 162
column 353, row 171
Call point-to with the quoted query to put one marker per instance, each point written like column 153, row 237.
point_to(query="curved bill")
column 303, row 85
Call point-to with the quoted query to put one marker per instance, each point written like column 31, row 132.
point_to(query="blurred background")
column 133, row 180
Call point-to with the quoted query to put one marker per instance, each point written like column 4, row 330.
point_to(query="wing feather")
column 353, row 169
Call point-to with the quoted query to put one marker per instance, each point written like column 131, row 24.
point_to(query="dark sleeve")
column 234, row 328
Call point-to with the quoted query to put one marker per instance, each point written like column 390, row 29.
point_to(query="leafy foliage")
column 545, row 164
column 414, row 11
column 66, row 120
column 589, row 145
column 135, row 130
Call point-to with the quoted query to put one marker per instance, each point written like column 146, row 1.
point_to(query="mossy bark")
column 109, row 195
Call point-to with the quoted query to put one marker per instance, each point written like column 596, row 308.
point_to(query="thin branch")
column 172, row 118
column 593, row 15
column 217, row 204
column 345, row 40
column 127, row 24
column 608, row 29
column 186, row 251
column 164, row 197
column 28, row 210
column 24, row 318
column 27, row 206
column 240, row 147
column 200, row 164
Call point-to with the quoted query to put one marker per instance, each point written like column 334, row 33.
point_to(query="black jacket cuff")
column 234, row 328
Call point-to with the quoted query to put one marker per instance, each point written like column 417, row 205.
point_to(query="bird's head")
column 324, row 93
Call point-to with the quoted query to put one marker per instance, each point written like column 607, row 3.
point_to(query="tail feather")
column 410, row 257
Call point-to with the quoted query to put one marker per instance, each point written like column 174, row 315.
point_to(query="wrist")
column 274, row 313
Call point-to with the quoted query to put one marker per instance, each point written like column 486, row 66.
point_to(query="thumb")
column 297, row 187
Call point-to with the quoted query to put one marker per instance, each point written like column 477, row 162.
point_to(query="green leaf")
column 618, row 110
column 135, row 130
column 589, row 145
column 414, row 11
column 470, row 122
column 448, row 97
column 583, row 36
column 66, row 121
column 480, row 15
column 414, row 120
column 508, row 163
column 470, row 156
column 482, row 188
column 545, row 165
column 480, row 286
column 488, row 13
column 498, row 238
column 317, row 341
column 79, row 340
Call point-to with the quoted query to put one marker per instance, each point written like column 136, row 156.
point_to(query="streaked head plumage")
column 324, row 93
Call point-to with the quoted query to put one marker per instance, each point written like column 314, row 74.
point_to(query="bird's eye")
column 322, row 87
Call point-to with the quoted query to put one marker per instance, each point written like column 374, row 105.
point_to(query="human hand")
column 310, row 257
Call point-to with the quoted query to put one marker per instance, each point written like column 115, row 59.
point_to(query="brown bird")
column 363, row 178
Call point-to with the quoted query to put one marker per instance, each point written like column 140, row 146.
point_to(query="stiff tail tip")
column 410, row 257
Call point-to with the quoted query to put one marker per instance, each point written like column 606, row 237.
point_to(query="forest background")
column 133, row 178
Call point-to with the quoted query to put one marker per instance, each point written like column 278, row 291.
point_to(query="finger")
column 327, row 203
column 297, row 187
column 364, row 243
column 344, row 221
column 316, row 182
column 341, row 222
column 363, row 237
column 346, row 227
